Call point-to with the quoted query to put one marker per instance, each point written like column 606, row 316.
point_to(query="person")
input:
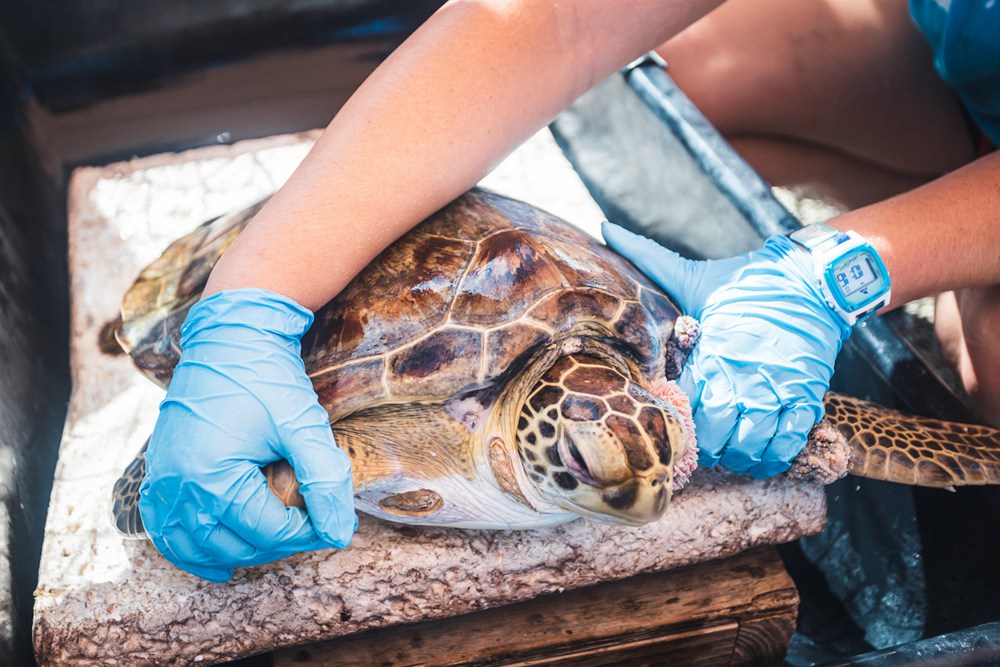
column 840, row 94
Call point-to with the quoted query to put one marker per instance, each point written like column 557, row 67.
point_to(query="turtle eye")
column 576, row 455
column 571, row 457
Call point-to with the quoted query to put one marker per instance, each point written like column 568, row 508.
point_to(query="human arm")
column 941, row 236
column 769, row 341
column 463, row 91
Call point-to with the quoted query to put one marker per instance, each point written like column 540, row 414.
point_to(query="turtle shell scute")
column 507, row 344
column 462, row 299
column 406, row 292
column 561, row 309
column 436, row 364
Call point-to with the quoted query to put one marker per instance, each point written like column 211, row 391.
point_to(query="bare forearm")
column 470, row 85
column 941, row 236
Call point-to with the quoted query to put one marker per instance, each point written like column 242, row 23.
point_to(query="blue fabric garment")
column 965, row 37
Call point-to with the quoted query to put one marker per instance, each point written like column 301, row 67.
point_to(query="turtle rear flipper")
column 125, row 497
column 897, row 447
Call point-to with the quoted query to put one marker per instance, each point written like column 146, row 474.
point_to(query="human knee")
column 979, row 309
column 697, row 71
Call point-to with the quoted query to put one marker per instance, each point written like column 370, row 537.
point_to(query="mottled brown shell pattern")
column 497, row 278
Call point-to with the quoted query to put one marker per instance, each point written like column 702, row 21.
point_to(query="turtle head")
column 596, row 443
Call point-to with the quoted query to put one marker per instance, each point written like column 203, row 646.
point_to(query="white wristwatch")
column 852, row 277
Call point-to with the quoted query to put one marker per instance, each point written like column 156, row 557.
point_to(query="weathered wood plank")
column 741, row 609
column 758, row 637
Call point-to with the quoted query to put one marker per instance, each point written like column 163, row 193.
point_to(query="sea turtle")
column 498, row 368
column 495, row 367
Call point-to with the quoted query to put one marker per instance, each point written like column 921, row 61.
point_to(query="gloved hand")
column 757, row 377
column 239, row 399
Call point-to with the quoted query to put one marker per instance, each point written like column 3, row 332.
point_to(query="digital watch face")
column 858, row 277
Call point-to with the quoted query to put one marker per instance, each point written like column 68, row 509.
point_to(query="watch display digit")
column 855, row 273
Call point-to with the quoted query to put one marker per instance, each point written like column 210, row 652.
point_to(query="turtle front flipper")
column 897, row 447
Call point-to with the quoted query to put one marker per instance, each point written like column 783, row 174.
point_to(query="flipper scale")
column 898, row 447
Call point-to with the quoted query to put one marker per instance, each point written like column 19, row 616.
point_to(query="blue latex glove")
column 768, row 343
column 239, row 399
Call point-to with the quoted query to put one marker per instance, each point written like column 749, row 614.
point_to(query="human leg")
column 830, row 174
column 967, row 322
column 838, row 93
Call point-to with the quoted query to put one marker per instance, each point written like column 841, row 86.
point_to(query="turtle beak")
column 629, row 504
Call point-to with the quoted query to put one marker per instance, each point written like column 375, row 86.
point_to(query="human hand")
column 240, row 399
column 768, row 343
